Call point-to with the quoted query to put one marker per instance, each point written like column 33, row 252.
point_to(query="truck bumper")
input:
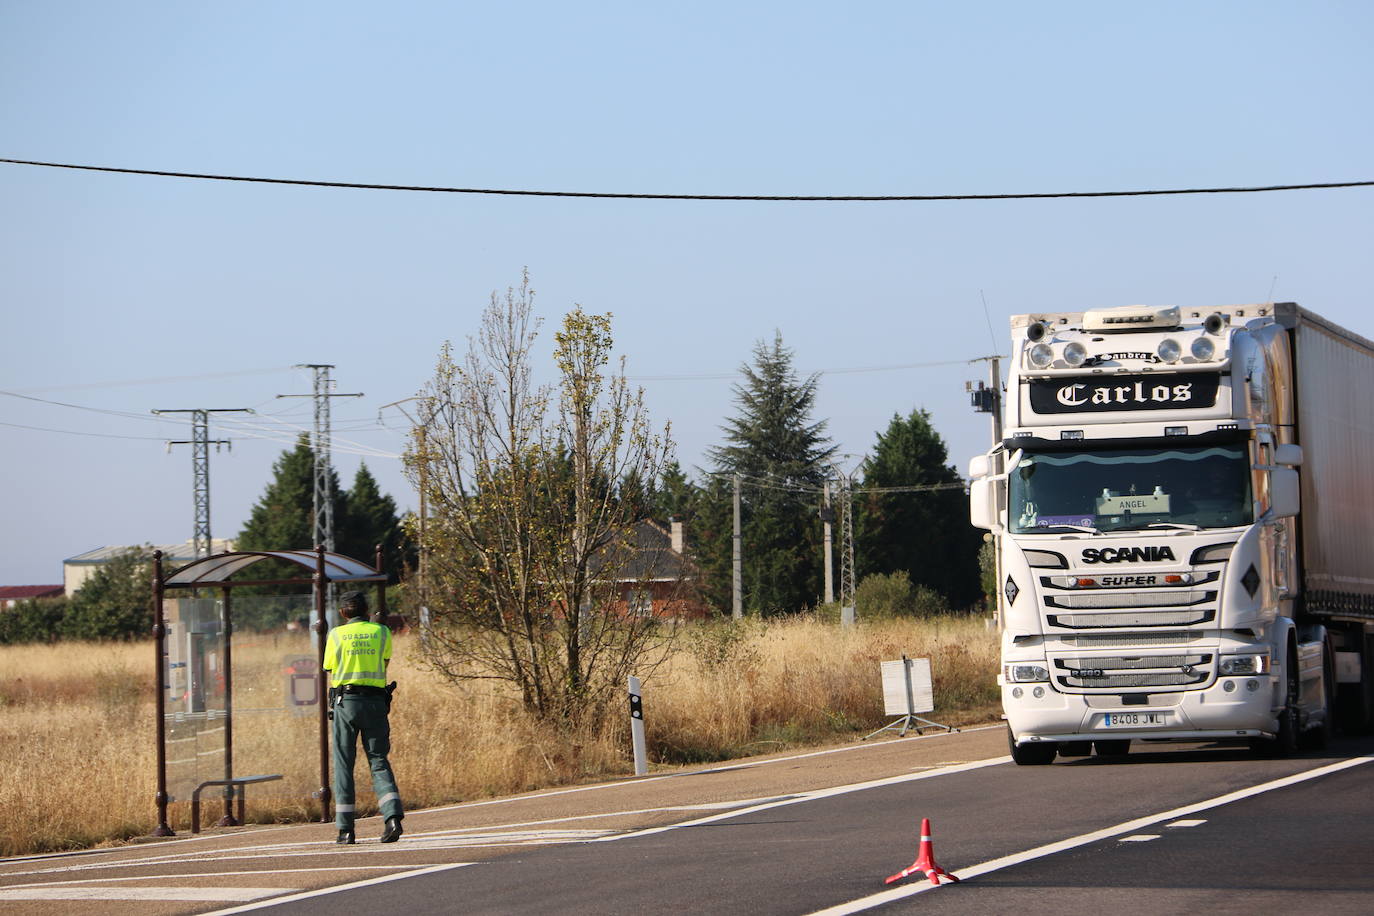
column 1245, row 710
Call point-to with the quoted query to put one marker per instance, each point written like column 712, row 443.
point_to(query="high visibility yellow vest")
column 357, row 653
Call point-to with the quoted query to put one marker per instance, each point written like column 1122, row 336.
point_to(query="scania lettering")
column 1183, row 512
column 1127, row 555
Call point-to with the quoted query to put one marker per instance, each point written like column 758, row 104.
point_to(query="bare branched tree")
column 529, row 543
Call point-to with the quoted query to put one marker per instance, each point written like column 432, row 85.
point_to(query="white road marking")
column 1194, row 822
column 307, row 895
column 813, row 796
column 221, row 874
column 983, row 868
column 1139, row 838
column 198, row 894
column 758, row 763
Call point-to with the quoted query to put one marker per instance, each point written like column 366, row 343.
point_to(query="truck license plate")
column 1134, row 719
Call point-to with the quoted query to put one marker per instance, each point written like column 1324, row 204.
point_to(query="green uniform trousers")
column 364, row 716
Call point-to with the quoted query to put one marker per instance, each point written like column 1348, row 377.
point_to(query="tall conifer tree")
column 926, row 533
column 781, row 452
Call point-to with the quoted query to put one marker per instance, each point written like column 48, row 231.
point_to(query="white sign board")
column 906, row 687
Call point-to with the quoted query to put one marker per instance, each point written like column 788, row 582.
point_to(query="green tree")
column 675, row 496
column 116, row 602
column 927, row 532
column 781, row 454
column 283, row 519
column 369, row 518
column 527, row 544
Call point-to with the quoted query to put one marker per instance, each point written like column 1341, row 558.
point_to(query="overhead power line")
column 621, row 195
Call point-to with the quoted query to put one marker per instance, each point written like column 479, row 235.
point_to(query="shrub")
column 36, row 620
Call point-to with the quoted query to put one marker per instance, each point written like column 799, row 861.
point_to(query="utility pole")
column 200, row 443
column 846, row 552
column 422, row 445
column 737, row 564
column 828, row 519
column 322, row 503
column 989, row 400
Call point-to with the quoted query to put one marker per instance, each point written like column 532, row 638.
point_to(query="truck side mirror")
column 1284, row 496
column 982, row 503
column 979, row 466
column 1288, row 454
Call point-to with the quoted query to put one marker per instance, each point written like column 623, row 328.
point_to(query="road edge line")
column 325, row 891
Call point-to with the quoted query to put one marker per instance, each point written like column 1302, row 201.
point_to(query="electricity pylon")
column 322, row 503
column 200, row 443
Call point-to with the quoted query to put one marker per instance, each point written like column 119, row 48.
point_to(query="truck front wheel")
column 1031, row 755
column 1285, row 743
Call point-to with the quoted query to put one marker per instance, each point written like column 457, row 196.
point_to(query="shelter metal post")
column 227, row 627
column 322, row 701
column 159, row 645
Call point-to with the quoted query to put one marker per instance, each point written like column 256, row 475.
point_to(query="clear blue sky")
column 127, row 293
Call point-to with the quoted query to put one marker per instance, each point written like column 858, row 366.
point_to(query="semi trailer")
column 1182, row 506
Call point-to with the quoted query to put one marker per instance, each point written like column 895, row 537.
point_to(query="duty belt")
column 361, row 690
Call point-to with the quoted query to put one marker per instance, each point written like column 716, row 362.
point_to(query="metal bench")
column 233, row 786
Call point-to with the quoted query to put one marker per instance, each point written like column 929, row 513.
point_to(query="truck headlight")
column 1202, row 349
column 1041, row 355
column 1245, row 664
column 1169, row 351
column 1025, row 674
column 1075, row 354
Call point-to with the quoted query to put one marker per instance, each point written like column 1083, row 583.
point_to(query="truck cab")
column 1143, row 501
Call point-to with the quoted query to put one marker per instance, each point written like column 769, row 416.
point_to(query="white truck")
column 1183, row 509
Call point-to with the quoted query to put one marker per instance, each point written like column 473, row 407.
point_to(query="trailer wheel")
column 1355, row 702
column 1031, row 755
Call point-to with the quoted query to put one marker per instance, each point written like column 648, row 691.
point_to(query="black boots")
column 345, row 838
column 392, row 833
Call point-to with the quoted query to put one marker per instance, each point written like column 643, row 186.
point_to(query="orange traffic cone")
column 925, row 860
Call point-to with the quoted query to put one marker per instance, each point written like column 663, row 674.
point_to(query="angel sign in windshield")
column 1118, row 489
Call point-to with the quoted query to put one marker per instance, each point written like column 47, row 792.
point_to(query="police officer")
column 356, row 656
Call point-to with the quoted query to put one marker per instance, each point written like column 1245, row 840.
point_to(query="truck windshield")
column 1116, row 489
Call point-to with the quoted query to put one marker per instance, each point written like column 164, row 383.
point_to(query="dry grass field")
column 77, row 721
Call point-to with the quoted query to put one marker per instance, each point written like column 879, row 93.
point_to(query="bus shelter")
column 195, row 669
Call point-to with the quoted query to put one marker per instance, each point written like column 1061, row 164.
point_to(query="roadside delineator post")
column 925, row 860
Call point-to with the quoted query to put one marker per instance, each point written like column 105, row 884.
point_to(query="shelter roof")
column 217, row 569
column 182, row 552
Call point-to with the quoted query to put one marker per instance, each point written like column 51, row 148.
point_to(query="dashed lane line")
column 983, row 868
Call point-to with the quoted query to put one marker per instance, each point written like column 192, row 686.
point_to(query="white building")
column 76, row 570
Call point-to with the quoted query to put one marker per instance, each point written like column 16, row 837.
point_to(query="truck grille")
column 1117, row 672
column 1124, row 640
column 1167, row 618
column 1106, row 599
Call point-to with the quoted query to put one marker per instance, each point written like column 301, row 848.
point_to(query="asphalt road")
column 1165, row 829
